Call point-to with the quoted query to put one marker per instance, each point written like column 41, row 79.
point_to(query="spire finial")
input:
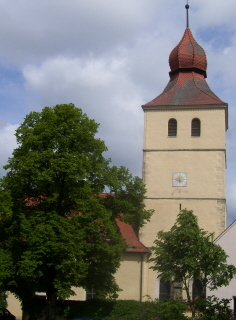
column 187, row 7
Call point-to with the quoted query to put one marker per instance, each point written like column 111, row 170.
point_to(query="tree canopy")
column 187, row 252
column 55, row 219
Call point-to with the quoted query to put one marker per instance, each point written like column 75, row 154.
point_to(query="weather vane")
column 187, row 7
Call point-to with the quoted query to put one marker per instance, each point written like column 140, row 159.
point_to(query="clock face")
column 179, row 179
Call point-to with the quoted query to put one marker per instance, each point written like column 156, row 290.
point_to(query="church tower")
column 184, row 155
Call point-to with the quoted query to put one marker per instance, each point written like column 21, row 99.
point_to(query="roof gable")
column 128, row 233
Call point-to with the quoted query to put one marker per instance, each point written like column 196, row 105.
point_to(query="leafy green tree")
column 187, row 252
column 56, row 224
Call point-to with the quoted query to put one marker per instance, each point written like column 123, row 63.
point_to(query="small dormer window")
column 196, row 128
column 172, row 128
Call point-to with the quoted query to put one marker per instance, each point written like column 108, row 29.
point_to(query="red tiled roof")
column 188, row 54
column 187, row 85
column 128, row 233
column 133, row 244
column 186, row 88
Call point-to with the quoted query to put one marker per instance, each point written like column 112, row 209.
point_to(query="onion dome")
column 187, row 85
column 188, row 54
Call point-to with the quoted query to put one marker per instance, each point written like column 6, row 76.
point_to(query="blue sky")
column 109, row 58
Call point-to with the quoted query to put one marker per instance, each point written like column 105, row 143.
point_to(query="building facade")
column 184, row 155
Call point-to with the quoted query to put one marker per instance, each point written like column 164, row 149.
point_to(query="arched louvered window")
column 196, row 128
column 197, row 288
column 172, row 128
column 164, row 293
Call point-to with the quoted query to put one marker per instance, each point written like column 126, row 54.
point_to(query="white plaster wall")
column 212, row 129
column 128, row 276
column 80, row 294
column 205, row 173
column 14, row 306
column 227, row 241
column 202, row 158
column 211, row 216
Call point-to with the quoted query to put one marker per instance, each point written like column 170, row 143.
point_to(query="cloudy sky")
column 109, row 57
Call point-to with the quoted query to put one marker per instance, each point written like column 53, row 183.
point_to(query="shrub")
column 213, row 308
column 172, row 309
column 149, row 310
column 94, row 308
column 124, row 309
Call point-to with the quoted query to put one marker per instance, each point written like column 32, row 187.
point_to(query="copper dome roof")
column 187, row 85
column 188, row 54
column 186, row 89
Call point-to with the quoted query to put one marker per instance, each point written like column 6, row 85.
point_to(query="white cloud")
column 35, row 30
column 105, row 91
column 109, row 58
column 7, row 143
column 213, row 13
column 62, row 71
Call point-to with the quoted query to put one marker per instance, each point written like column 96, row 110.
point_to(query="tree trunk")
column 51, row 294
column 28, row 304
column 51, row 304
column 190, row 301
column 25, row 315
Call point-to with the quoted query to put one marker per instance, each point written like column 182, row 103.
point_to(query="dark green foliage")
column 94, row 308
column 124, row 310
column 213, row 308
column 3, row 299
column 172, row 309
column 54, row 223
column 187, row 252
column 35, row 308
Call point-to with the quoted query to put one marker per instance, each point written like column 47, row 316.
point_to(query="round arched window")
column 197, row 288
column 164, row 293
column 172, row 128
column 196, row 128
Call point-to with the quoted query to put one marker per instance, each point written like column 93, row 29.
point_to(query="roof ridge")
column 215, row 97
column 226, row 230
column 166, row 93
column 192, row 44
